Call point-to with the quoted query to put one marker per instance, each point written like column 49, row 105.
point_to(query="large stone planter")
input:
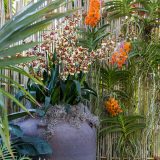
column 68, row 142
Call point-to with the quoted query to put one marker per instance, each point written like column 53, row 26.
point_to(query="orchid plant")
column 64, row 67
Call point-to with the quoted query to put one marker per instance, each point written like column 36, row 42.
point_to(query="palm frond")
column 17, row 49
column 4, row 127
column 21, row 26
column 5, row 154
column 29, row 21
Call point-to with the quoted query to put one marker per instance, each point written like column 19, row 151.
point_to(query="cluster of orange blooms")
column 119, row 57
column 93, row 15
column 113, row 107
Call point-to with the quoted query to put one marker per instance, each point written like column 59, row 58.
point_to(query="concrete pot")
column 68, row 142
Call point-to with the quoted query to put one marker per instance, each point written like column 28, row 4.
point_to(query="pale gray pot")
column 68, row 143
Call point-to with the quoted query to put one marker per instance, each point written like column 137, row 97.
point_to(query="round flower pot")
column 68, row 142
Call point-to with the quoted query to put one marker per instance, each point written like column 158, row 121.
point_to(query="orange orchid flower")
column 127, row 46
column 93, row 15
column 120, row 57
column 113, row 107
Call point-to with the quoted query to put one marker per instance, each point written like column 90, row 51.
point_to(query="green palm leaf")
column 21, row 26
column 17, row 49
column 17, row 29
column 4, row 128
column 14, row 99
column 16, row 60
column 23, row 72
column 5, row 154
column 18, row 86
